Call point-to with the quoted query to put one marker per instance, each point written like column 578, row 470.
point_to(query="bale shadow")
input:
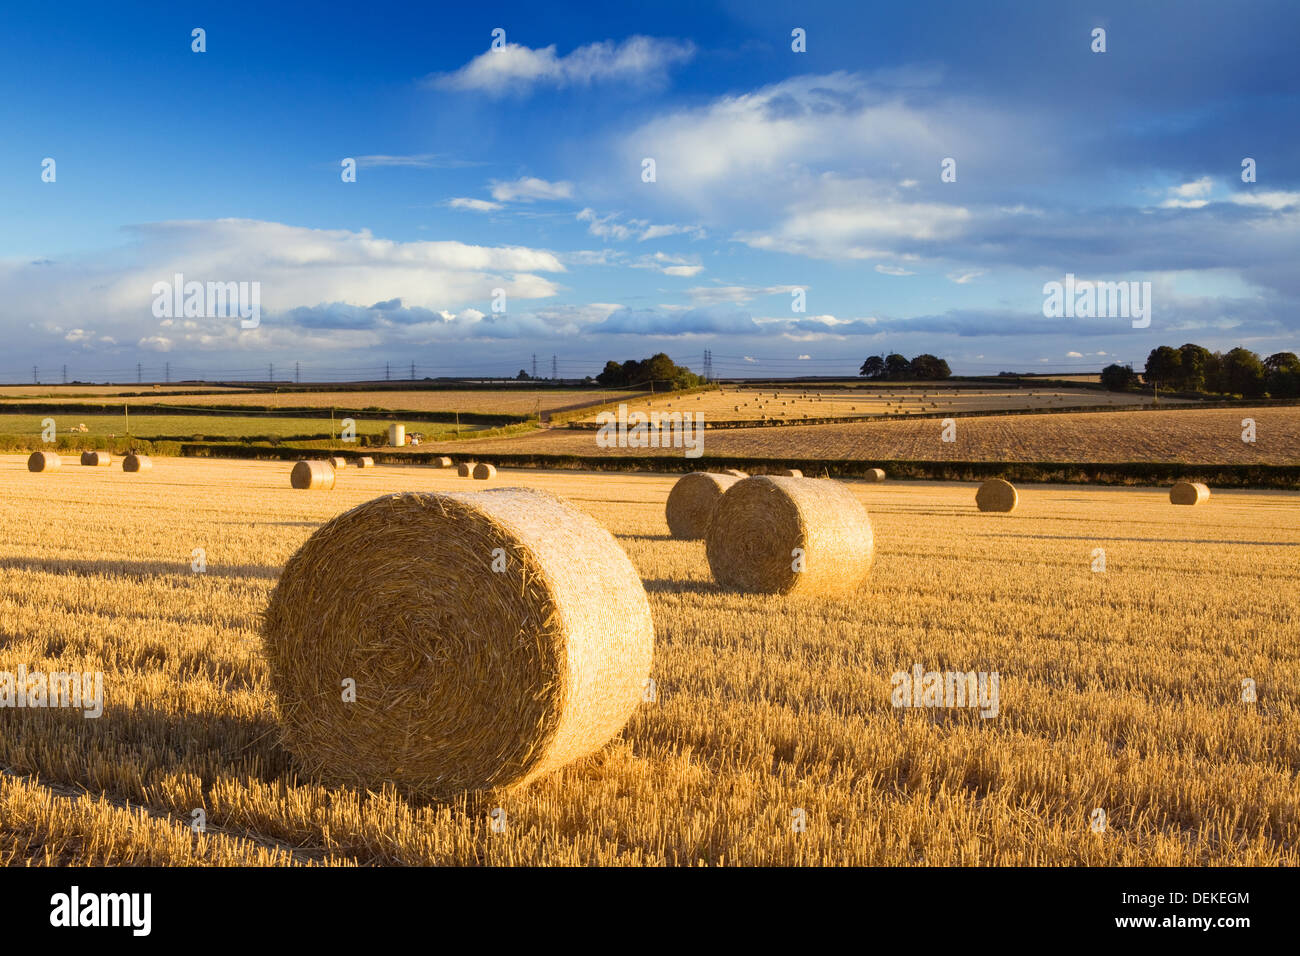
column 647, row 537
column 671, row 586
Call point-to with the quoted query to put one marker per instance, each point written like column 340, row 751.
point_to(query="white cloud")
column 961, row 277
column 682, row 271
column 516, row 68
column 530, row 188
column 735, row 294
column 477, row 205
column 893, row 270
column 1074, row 355
column 613, row 226
column 419, row 160
column 804, row 358
column 1270, row 200
column 155, row 343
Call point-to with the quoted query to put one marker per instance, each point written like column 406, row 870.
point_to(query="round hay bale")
column 44, row 461
column 312, row 475
column 465, row 469
column 365, row 463
column 792, row 473
column 339, row 463
column 997, row 495
column 397, row 435
column 760, row 522
column 1189, row 493
column 466, row 677
column 134, row 462
column 484, row 471
column 443, row 462
column 875, row 474
column 735, row 473
column 96, row 459
column 692, row 501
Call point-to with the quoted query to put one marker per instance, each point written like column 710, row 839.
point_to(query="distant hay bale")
column 692, row 501
column 465, row 469
column 338, row 462
column 776, row 535
column 442, row 462
column 312, row 475
column 791, row 473
column 468, row 675
column 484, row 471
column 1189, row 493
column 44, row 461
column 96, row 459
column 874, row 474
column 997, row 495
column 397, row 435
column 735, row 473
column 365, row 463
column 134, row 462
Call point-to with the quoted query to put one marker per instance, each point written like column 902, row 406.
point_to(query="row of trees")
column 659, row 369
column 1193, row 368
column 896, row 368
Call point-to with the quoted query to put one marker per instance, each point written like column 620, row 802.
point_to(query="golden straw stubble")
column 778, row 535
column 492, row 636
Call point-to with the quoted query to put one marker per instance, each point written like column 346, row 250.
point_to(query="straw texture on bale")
column 997, row 494
column 692, row 501
column 44, row 461
column 792, row 473
column 97, row 459
column 137, row 463
column 338, row 463
column 465, row 469
column 312, row 475
column 467, row 677
column 365, row 463
column 1189, row 493
column 761, row 521
column 483, row 471
column 442, row 462
column 875, row 474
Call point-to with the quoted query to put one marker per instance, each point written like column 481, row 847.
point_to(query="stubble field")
column 1118, row 690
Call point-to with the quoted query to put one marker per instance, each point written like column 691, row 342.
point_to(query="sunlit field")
column 1120, row 690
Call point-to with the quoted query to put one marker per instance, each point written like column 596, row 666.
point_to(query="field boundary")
column 1286, row 477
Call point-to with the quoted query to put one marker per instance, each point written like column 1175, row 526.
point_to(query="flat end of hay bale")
column 997, row 494
column 563, row 618
column 778, row 535
column 1189, row 493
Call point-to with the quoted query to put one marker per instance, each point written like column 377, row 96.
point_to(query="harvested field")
column 1119, row 690
column 1201, row 436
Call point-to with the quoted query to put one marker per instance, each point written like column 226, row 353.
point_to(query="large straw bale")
column 134, row 462
column 465, row 469
column 484, row 471
column 691, row 503
column 96, row 459
column 1189, row 493
column 312, row 475
column 492, row 637
column 875, row 474
column 997, row 494
column 775, row 535
column 44, row 461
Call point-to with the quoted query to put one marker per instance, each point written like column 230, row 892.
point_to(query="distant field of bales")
column 1200, row 436
column 1120, row 690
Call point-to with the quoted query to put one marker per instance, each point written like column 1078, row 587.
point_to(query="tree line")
column 659, row 369
column 1193, row 368
column 898, row 368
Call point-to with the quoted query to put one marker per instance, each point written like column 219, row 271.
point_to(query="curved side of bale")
column 875, row 474
column 692, row 501
column 539, row 664
column 312, row 475
column 484, row 471
column 1189, row 493
column 465, row 469
column 96, row 459
column 365, row 462
column 44, row 461
column 997, row 494
column 762, row 522
column 137, row 463
column 338, row 463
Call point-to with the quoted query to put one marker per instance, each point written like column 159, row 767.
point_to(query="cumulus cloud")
column 613, row 226
column 476, row 205
column 513, row 68
column 698, row 321
column 893, row 270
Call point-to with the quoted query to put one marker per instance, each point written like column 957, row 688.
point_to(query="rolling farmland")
column 1119, row 690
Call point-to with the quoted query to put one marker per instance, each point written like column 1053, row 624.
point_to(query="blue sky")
column 521, row 169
